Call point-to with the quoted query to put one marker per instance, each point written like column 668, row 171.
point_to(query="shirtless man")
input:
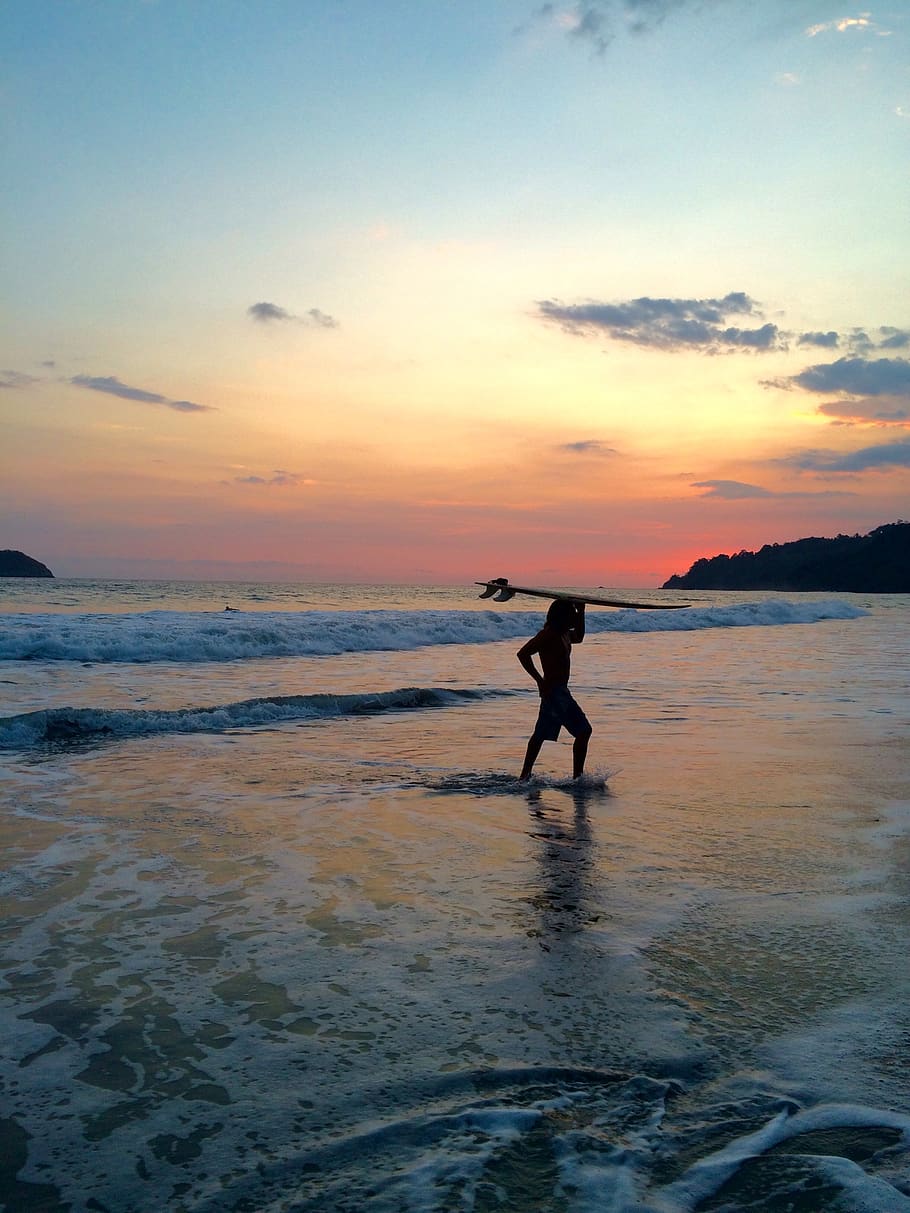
column 565, row 626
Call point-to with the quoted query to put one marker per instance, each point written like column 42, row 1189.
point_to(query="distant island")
column 17, row 564
column 877, row 563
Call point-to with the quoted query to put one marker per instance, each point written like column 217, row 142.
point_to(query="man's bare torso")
column 554, row 650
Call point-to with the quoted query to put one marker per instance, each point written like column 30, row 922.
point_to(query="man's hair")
column 561, row 615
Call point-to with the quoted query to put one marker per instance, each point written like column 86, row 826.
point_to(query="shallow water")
column 346, row 961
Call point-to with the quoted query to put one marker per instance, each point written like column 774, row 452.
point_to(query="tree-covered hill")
column 877, row 563
column 17, row 564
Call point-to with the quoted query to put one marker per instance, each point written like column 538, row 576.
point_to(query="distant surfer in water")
column 565, row 626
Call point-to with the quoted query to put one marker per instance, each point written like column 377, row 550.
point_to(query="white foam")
column 200, row 636
column 704, row 1177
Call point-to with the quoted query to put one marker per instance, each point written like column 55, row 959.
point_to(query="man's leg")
column 580, row 753
column 533, row 750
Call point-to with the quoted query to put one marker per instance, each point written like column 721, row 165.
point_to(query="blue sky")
column 422, row 199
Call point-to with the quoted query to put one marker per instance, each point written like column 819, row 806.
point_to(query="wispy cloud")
column 882, row 455
column 595, row 23
column 279, row 479
column 16, row 379
column 588, row 446
column 737, row 490
column 110, row 385
column 731, row 490
column 879, row 410
column 669, row 324
column 858, row 341
column 271, row 313
column 842, row 25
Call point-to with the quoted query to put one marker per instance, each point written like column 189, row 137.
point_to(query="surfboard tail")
column 498, row 587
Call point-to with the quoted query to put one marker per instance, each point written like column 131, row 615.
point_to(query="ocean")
column 281, row 930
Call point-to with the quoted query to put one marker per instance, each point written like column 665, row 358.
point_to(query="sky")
column 442, row 290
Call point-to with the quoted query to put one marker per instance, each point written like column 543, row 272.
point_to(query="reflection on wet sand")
column 566, row 898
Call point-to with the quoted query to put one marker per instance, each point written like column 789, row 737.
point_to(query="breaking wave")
column 72, row 725
column 203, row 636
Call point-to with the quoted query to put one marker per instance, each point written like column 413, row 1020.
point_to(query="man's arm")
column 577, row 634
column 526, row 657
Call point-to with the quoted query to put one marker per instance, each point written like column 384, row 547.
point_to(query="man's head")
column 561, row 615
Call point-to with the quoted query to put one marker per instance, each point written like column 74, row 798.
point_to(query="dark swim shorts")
column 559, row 710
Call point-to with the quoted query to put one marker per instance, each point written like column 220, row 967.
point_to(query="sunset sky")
column 436, row 290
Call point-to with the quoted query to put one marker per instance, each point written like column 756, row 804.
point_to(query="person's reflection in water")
column 566, row 897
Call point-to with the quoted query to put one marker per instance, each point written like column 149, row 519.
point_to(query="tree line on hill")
column 877, row 563
column 17, row 564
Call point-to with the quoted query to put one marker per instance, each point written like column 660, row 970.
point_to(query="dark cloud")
column 883, row 455
column 111, row 386
column 669, row 324
column 826, row 340
column 15, row 379
column 856, row 377
column 894, row 339
column 266, row 313
column 588, row 446
column 271, row 313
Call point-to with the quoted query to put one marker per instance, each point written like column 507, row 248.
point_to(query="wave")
column 201, row 636
column 73, row 725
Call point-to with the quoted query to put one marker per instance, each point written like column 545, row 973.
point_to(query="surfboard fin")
column 495, row 587
column 504, row 595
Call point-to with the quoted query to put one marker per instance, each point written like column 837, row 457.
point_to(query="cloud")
column 271, row 313
column 588, row 446
column 883, row 455
column 856, row 377
column 826, row 340
column 842, row 24
column 858, row 341
column 265, row 313
column 894, row 339
column 736, row 490
column 279, row 478
column 111, row 386
column 731, row 490
column 595, row 22
column 879, row 410
column 16, row 379
column 669, row 324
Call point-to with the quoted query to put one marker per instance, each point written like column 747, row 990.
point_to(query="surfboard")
column 500, row 589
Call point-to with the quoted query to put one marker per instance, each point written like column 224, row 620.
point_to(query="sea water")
column 282, row 931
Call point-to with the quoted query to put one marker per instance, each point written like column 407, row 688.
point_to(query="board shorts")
column 560, row 711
